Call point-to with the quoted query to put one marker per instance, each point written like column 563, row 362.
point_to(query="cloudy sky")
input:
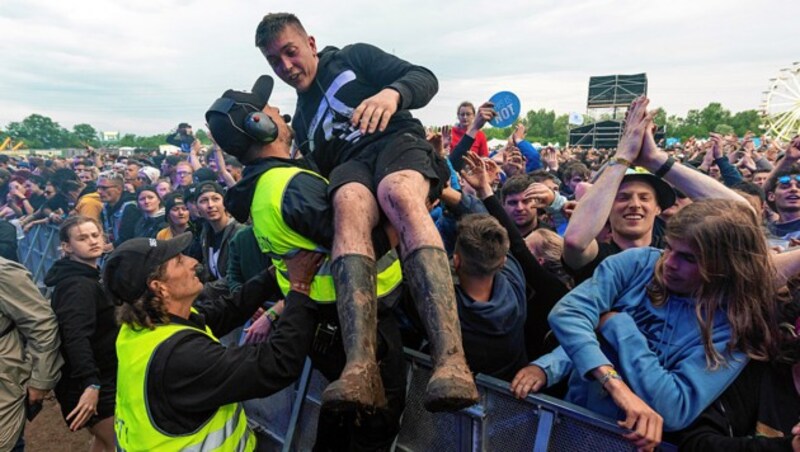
column 142, row 66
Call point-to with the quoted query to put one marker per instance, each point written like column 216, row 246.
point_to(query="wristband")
column 665, row 167
column 608, row 376
column 272, row 315
column 620, row 161
column 95, row 387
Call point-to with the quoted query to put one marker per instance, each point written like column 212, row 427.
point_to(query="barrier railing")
column 287, row 420
column 500, row 422
column 38, row 250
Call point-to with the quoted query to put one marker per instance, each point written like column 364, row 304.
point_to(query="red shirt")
column 480, row 146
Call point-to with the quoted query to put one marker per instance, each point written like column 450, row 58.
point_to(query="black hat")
column 171, row 200
column 207, row 186
column 227, row 127
column 205, row 174
column 128, row 267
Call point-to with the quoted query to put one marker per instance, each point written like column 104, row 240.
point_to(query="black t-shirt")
column 37, row 201
column 58, row 201
column 609, row 249
column 603, row 251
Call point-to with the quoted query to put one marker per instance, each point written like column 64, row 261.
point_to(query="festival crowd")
column 656, row 286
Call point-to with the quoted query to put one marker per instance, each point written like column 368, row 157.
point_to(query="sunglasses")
column 785, row 180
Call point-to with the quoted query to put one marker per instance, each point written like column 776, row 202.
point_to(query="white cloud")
column 143, row 66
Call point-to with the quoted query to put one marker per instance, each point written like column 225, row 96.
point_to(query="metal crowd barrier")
column 38, row 250
column 287, row 421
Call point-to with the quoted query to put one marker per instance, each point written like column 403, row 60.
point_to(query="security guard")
column 288, row 204
column 178, row 388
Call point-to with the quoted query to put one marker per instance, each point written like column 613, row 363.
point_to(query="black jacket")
column 119, row 220
column 190, row 375
column 86, row 323
column 149, row 226
column 760, row 404
column 344, row 79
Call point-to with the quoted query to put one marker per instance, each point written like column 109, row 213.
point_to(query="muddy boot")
column 360, row 385
column 451, row 387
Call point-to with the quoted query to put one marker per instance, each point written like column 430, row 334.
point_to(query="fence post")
column 297, row 407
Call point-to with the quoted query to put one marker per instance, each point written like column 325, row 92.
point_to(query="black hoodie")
column 86, row 323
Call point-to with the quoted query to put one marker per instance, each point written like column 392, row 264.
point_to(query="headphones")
column 257, row 125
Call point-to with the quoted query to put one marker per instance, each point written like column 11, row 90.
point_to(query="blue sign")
column 757, row 142
column 507, row 106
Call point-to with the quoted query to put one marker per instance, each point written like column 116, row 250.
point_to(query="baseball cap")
column 665, row 194
column 128, row 267
column 209, row 186
column 171, row 200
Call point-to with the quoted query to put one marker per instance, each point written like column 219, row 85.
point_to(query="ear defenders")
column 256, row 125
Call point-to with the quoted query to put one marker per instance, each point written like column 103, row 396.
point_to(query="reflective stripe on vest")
column 278, row 240
column 225, row 430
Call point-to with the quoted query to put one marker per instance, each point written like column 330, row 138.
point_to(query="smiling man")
column 631, row 197
column 783, row 194
column 353, row 122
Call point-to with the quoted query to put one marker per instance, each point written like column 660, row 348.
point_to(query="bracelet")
column 272, row 315
column 621, row 161
column 608, row 376
column 665, row 167
column 95, row 387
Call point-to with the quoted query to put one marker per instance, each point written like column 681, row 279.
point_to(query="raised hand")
column 541, row 195
column 519, row 133
column 447, row 137
column 793, row 151
column 375, row 112
column 636, row 126
column 484, row 114
column 550, row 158
column 717, row 145
column 476, row 175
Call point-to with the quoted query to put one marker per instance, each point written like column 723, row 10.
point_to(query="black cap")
column 208, row 186
column 226, row 116
column 205, row 174
column 171, row 200
column 128, row 267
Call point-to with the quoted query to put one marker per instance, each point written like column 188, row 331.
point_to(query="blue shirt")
column 658, row 351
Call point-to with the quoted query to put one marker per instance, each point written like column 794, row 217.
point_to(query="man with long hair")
column 654, row 337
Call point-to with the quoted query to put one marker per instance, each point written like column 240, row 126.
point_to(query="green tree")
column 713, row 115
column 83, row 134
column 128, row 140
column 746, row 120
column 660, row 117
column 39, row 132
column 723, row 129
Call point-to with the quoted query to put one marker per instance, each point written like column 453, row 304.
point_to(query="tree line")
column 543, row 126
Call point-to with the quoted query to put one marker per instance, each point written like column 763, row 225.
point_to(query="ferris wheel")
column 781, row 105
